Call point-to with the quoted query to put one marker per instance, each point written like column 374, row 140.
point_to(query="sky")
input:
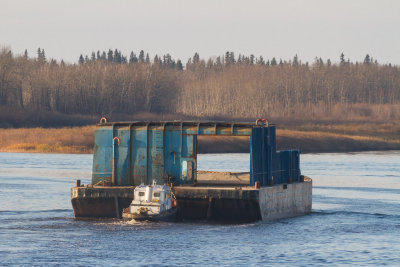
column 281, row 28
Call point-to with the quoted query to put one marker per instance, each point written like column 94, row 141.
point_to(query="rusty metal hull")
column 218, row 203
column 224, row 210
column 99, row 207
column 100, row 202
column 222, row 203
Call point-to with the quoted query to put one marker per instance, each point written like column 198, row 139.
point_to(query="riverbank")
column 309, row 138
column 78, row 140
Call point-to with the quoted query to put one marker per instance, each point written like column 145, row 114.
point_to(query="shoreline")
column 302, row 153
column 79, row 140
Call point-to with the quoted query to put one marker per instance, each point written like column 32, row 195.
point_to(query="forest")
column 227, row 87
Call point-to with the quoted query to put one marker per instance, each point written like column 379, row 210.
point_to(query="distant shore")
column 307, row 138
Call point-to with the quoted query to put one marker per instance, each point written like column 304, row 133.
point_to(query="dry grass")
column 223, row 144
column 43, row 140
column 341, row 137
column 322, row 141
column 344, row 137
column 387, row 130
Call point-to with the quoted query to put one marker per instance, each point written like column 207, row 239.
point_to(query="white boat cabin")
column 154, row 199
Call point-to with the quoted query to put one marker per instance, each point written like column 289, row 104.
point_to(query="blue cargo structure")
column 128, row 154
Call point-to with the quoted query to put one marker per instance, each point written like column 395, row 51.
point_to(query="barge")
column 129, row 155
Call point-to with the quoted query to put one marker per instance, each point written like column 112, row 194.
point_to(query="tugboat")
column 152, row 203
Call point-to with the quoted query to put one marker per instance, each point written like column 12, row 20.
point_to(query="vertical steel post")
column 147, row 156
column 251, row 160
column 113, row 159
column 180, row 153
column 163, row 151
column 269, row 157
column 130, row 153
column 265, row 156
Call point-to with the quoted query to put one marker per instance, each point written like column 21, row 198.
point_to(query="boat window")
column 157, row 194
column 141, row 194
column 184, row 170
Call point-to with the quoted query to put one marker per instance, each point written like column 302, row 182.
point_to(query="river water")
column 355, row 219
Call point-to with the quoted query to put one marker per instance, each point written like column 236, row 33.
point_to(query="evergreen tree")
column 273, row 62
column 218, row 62
column 81, row 59
column 168, row 62
column 251, row 59
column 141, row 56
column 133, row 58
column 26, row 54
column 43, row 55
column 320, row 62
column 232, row 58
column 295, row 62
column 147, row 58
column 196, row 58
column 342, row 60
column 157, row 62
column 110, row 56
column 117, row 56
column 227, row 58
column 367, row 59
column 93, row 58
column 98, row 55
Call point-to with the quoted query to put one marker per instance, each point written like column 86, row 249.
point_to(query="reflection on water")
column 355, row 219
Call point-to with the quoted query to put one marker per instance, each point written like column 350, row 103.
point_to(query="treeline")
column 118, row 58
column 228, row 86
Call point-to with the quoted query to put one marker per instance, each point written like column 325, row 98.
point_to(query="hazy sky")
column 280, row 28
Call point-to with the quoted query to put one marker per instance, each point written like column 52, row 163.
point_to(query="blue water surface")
column 355, row 219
